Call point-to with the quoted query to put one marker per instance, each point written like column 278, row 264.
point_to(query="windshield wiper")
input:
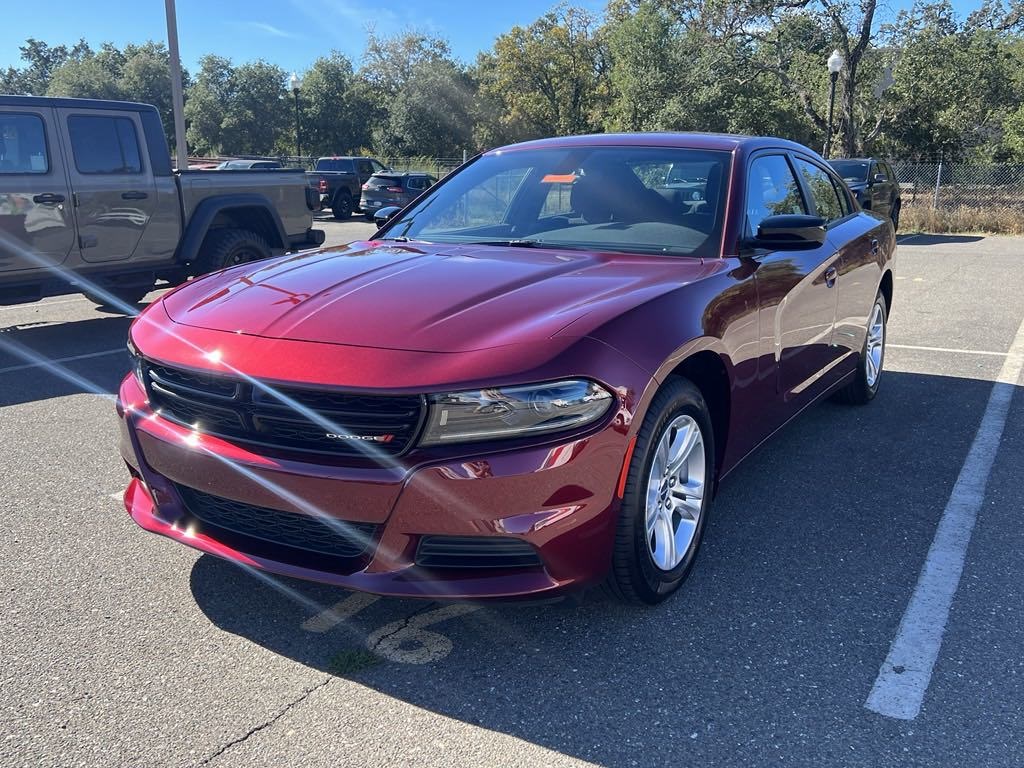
column 509, row 243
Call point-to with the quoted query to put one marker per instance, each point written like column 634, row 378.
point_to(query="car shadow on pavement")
column 39, row 361
column 813, row 549
column 926, row 239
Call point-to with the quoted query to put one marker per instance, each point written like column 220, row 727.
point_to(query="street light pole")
column 296, row 85
column 835, row 65
column 177, row 92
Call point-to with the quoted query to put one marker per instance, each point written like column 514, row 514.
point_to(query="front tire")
column 868, row 376
column 667, row 496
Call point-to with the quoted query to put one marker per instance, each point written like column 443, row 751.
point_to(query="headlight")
column 136, row 359
column 491, row 414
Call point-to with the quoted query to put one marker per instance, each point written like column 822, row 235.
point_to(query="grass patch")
column 996, row 220
column 353, row 660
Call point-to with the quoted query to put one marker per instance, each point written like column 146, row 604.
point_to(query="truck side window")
column 104, row 144
column 22, row 144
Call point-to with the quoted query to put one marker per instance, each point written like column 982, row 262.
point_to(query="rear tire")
column 895, row 215
column 224, row 248
column 661, row 523
column 868, row 376
column 341, row 206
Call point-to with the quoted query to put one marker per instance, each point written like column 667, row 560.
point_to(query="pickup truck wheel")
column 895, row 215
column 224, row 248
column 341, row 205
column 666, row 497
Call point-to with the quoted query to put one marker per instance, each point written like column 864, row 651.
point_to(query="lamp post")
column 296, row 84
column 835, row 66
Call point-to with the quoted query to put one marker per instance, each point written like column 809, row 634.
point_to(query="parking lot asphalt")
column 123, row 648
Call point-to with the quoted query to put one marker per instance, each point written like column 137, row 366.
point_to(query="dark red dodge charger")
column 532, row 379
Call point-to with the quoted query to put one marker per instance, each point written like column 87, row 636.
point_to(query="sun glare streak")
column 216, row 357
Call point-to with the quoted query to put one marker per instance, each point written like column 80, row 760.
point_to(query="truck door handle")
column 134, row 195
column 830, row 276
column 48, row 198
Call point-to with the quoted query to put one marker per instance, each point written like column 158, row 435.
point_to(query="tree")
column 238, row 110
column 41, row 60
column 548, row 78
column 206, row 105
column 335, row 107
column 258, row 112
column 430, row 114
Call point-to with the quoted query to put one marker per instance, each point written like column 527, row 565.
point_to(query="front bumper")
column 559, row 497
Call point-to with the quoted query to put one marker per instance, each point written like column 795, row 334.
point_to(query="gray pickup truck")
column 88, row 199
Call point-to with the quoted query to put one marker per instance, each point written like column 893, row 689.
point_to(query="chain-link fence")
column 954, row 185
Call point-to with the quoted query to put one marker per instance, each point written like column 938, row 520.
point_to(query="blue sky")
column 291, row 33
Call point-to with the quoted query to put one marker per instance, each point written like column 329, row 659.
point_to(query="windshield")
column 593, row 198
column 851, row 170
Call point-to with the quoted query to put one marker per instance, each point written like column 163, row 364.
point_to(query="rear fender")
column 243, row 211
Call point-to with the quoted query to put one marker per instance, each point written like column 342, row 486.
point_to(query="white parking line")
column 339, row 612
column 946, row 349
column 26, row 366
column 906, row 672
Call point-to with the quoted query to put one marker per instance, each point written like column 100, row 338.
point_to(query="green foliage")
column 928, row 82
column 335, row 106
column 546, row 79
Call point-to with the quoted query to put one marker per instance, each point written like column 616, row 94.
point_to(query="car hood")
column 427, row 297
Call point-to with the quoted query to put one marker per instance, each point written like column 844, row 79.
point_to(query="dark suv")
column 874, row 184
column 384, row 190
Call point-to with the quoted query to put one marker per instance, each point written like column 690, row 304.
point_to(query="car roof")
column 64, row 103
column 401, row 173
column 856, row 160
column 713, row 141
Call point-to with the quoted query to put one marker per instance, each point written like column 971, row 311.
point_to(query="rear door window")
column 826, row 198
column 104, row 145
column 22, row 144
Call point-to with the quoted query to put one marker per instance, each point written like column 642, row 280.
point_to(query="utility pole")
column 177, row 93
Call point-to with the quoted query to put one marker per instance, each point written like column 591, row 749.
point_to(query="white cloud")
column 265, row 28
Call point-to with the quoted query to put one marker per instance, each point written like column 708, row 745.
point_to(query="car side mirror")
column 790, row 231
column 384, row 215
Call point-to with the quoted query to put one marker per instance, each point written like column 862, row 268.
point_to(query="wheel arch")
column 244, row 211
column 885, row 288
column 710, row 375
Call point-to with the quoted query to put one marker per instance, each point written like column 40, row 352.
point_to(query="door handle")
column 874, row 247
column 134, row 195
column 48, row 198
column 830, row 276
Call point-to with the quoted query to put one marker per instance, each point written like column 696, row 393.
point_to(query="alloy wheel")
column 675, row 492
column 875, row 345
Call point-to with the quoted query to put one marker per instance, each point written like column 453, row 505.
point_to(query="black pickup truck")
column 339, row 181
column 89, row 203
